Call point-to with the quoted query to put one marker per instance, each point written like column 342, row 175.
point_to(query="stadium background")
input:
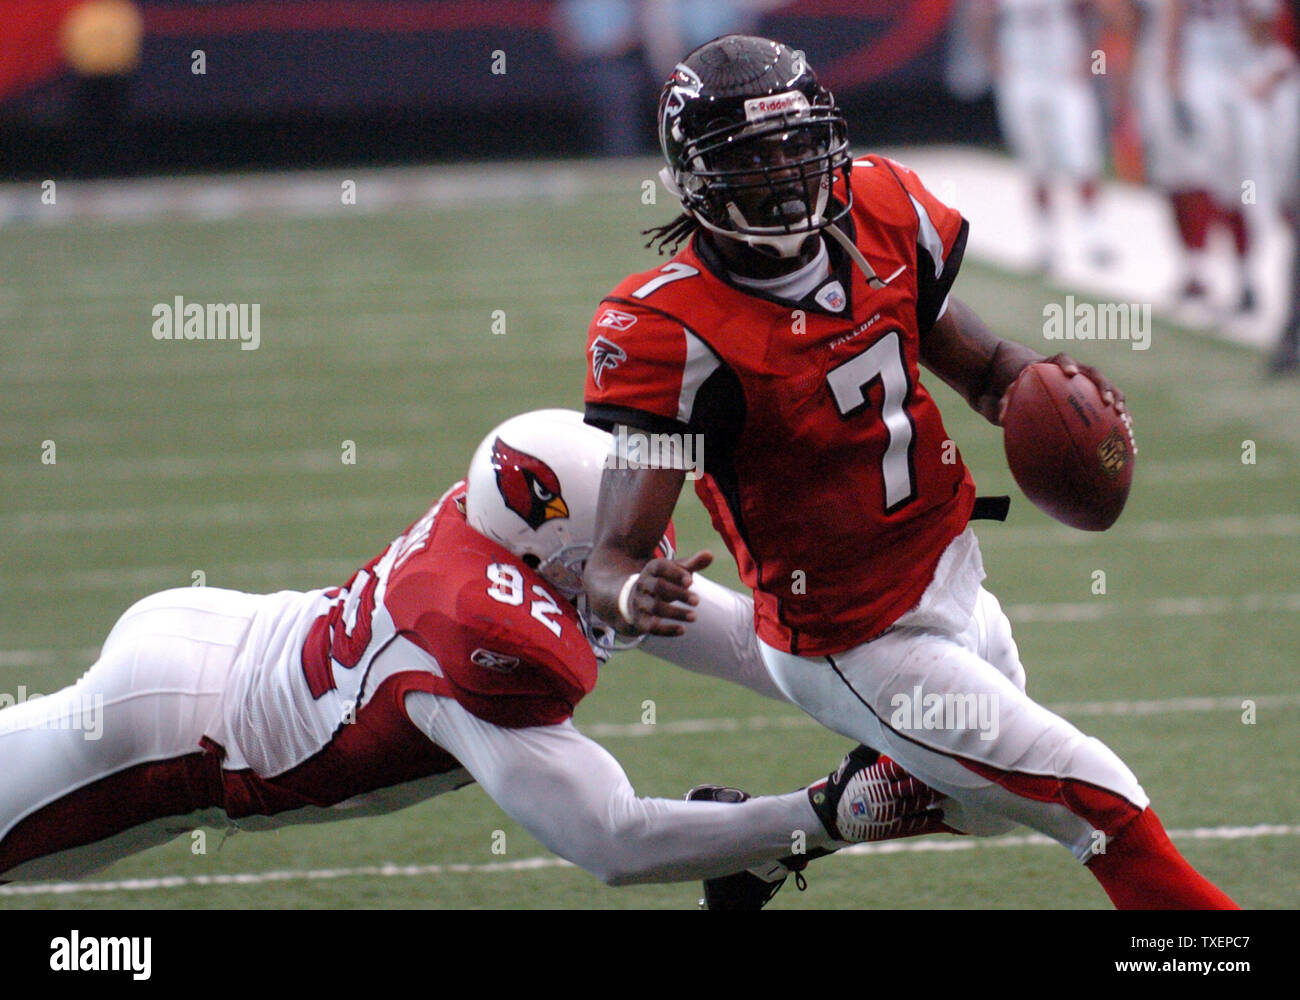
column 454, row 290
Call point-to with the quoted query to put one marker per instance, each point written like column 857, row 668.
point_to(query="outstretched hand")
column 661, row 598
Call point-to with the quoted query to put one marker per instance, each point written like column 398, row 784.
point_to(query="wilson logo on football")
column 616, row 320
column 605, row 356
column 489, row 660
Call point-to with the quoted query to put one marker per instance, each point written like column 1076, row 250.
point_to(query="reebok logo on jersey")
column 616, row 320
column 490, row 660
column 605, row 356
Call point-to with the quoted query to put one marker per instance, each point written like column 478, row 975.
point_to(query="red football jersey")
column 827, row 469
column 512, row 650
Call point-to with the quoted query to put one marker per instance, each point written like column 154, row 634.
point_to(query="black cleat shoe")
column 867, row 798
column 1285, row 360
column 751, row 889
column 1192, row 290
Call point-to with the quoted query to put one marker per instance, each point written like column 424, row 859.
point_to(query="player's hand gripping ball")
column 1071, row 453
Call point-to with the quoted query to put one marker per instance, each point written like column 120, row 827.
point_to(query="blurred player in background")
column 788, row 336
column 1169, row 163
column 1274, row 80
column 1049, row 110
column 1211, row 49
column 458, row 654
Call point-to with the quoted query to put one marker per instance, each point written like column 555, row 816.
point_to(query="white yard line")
column 1070, row 710
column 199, row 466
column 209, row 514
column 1183, row 531
column 1161, row 607
column 19, row 658
column 1215, row 833
column 309, row 193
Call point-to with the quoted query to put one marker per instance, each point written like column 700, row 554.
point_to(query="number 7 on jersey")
column 882, row 361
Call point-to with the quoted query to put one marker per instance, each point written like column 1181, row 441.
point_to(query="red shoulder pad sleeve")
column 940, row 241
column 510, row 649
column 508, row 668
column 636, row 357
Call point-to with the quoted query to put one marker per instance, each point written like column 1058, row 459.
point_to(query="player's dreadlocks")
column 668, row 237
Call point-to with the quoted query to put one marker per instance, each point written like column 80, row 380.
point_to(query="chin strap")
column 838, row 235
column 670, row 183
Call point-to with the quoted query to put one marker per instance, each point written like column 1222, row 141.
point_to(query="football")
column 1070, row 453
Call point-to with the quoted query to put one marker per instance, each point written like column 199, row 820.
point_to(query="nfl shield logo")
column 832, row 297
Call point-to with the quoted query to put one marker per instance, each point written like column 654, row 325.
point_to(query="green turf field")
column 377, row 328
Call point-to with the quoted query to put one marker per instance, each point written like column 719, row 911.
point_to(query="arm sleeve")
column 637, row 372
column 721, row 642
column 572, row 795
column 940, row 245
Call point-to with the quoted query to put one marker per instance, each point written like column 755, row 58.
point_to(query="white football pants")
column 943, row 694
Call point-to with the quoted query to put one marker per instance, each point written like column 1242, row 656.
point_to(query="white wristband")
column 625, row 595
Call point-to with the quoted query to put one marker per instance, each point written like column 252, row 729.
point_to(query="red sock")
column 1192, row 212
column 1235, row 220
column 1142, row 870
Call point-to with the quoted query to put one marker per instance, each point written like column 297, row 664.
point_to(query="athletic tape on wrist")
column 625, row 595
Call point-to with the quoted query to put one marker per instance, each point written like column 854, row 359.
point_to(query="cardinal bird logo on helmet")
column 528, row 485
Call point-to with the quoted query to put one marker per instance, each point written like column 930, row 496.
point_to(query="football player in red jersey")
column 456, row 655
column 782, row 346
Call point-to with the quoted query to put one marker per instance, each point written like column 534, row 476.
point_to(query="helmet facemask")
column 563, row 570
column 767, row 184
column 603, row 638
column 753, row 144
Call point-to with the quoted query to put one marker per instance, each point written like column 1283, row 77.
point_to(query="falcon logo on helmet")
column 528, row 485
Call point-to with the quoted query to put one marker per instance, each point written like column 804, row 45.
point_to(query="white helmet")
column 532, row 489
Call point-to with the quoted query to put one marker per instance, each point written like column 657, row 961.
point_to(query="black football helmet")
column 753, row 143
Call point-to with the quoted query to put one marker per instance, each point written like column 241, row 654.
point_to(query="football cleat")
column 1193, row 290
column 869, row 797
column 1285, row 360
column 753, row 888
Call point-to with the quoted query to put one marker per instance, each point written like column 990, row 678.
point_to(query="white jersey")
column 1215, row 37
column 1043, row 39
column 1151, row 55
column 194, row 685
